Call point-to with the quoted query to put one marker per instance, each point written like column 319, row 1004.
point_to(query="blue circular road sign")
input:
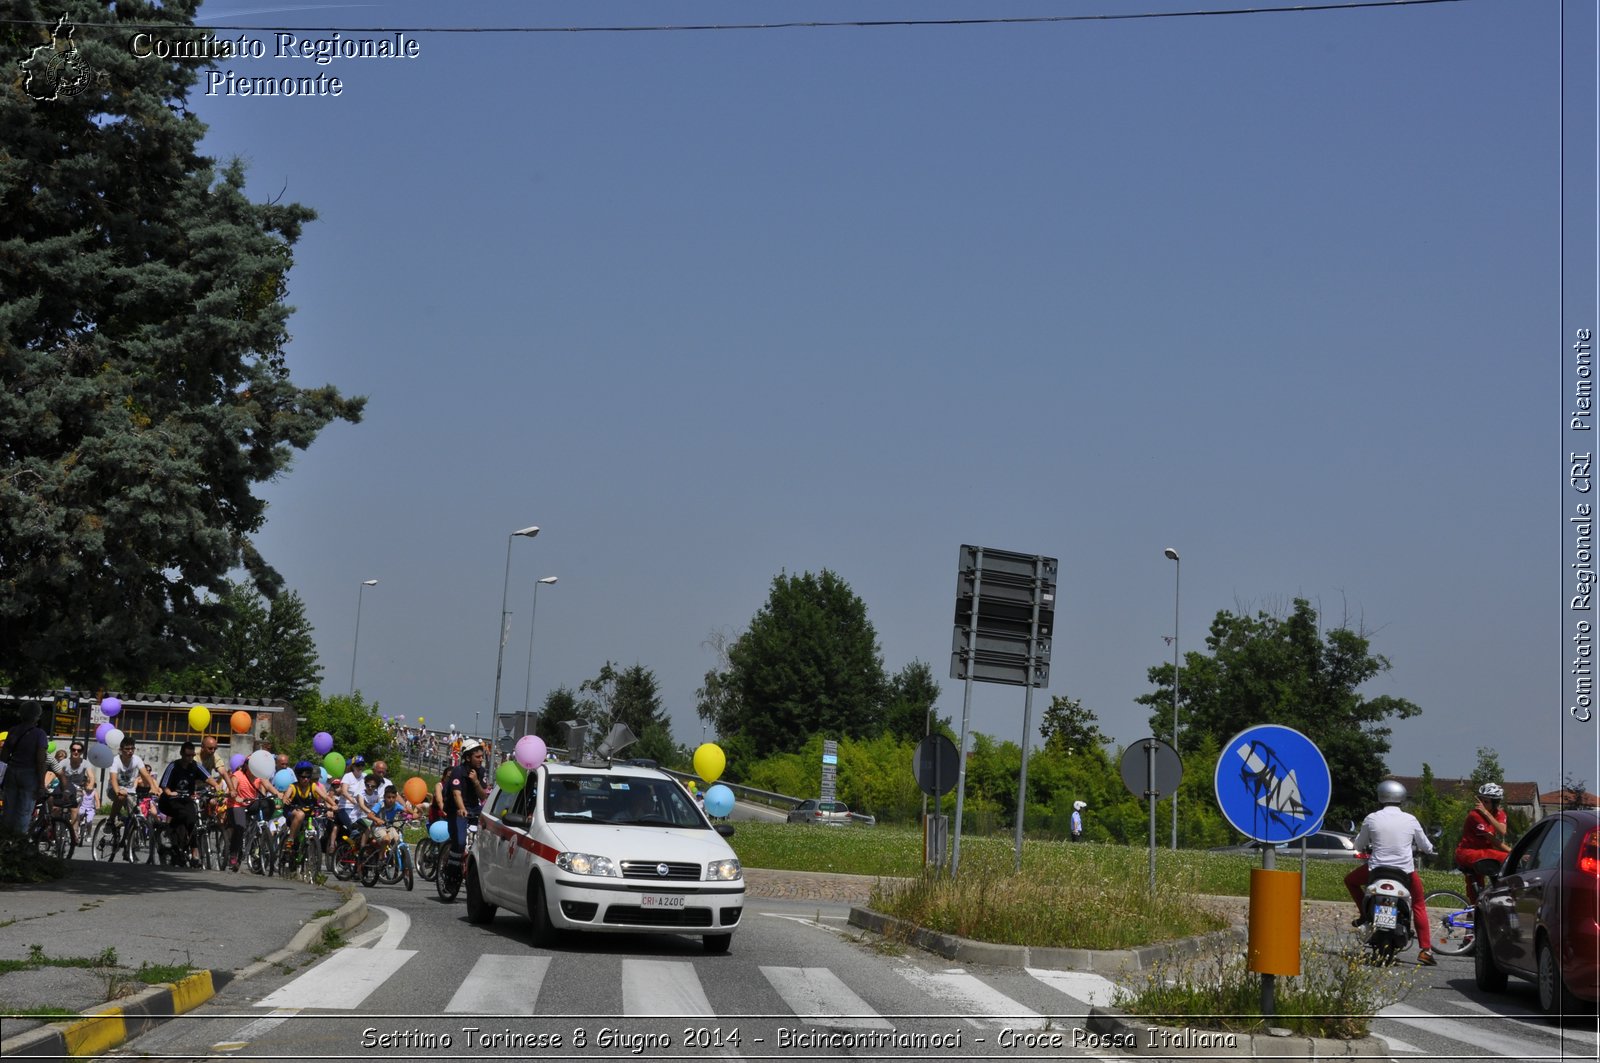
column 1273, row 783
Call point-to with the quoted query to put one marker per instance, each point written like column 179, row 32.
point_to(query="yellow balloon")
column 4, row 735
column 709, row 761
column 199, row 718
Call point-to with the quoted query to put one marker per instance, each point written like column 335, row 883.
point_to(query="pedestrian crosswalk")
column 858, row 999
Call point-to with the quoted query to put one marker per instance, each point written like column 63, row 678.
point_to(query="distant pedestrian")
column 24, row 753
column 1077, row 820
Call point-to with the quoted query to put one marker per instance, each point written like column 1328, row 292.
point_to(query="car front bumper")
column 632, row 908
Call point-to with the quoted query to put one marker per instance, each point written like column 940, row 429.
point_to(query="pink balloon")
column 111, row 706
column 530, row 751
column 100, row 732
column 322, row 742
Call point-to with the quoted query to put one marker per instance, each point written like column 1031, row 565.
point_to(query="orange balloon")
column 240, row 722
column 415, row 790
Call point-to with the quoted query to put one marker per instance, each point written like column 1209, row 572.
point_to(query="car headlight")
column 723, row 870
column 588, row 864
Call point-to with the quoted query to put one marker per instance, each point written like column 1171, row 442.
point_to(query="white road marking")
column 807, row 921
column 395, row 926
column 500, row 985
column 1092, row 989
column 816, row 995
column 1475, row 1034
column 1394, row 1044
column 985, row 1005
column 255, row 1028
column 341, row 982
column 662, row 987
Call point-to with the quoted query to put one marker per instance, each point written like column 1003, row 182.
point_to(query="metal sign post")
column 966, row 716
column 1151, row 768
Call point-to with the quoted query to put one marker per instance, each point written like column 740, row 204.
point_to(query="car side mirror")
column 724, row 829
column 512, row 819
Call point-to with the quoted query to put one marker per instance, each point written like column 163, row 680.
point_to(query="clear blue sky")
column 1280, row 291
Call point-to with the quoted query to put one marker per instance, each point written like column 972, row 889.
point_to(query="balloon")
column 239, row 721
column 100, row 732
column 415, row 790
column 324, row 775
column 691, row 786
column 261, row 763
column 334, row 763
column 113, row 738
column 530, row 751
column 3, row 735
column 719, row 801
column 50, row 747
column 199, row 718
column 284, row 779
column 100, row 755
column 511, row 776
column 422, row 719
column 322, row 742
column 111, row 706
column 236, row 762
column 709, row 761
column 439, row 831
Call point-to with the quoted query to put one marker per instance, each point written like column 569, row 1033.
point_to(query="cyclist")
column 464, row 793
column 130, row 779
column 388, row 815
column 301, row 799
column 1483, row 836
column 78, row 783
column 1388, row 836
column 180, row 784
column 246, row 797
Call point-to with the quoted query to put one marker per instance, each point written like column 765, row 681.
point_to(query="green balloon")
column 334, row 763
column 511, row 776
column 50, row 747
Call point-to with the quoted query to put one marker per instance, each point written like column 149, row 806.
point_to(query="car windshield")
column 625, row 800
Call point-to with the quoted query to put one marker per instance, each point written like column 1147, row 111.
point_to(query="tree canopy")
column 808, row 664
column 144, row 382
column 909, row 698
column 1284, row 670
column 1070, row 727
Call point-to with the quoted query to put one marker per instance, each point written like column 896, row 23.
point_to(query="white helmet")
column 1491, row 791
column 1079, row 806
column 1390, row 792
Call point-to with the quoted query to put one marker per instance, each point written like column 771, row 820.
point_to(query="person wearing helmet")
column 1483, row 836
column 304, row 796
column 464, row 791
column 1387, row 836
column 1077, row 820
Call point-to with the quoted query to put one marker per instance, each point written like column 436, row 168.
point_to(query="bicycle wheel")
column 103, row 840
column 1451, row 922
column 390, row 869
column 140, row 843
column 372, row 866
column 448, row 881
column 403, row 858
column 264, row 853
column 346, row 861
column 61, row 840
column 428, row 859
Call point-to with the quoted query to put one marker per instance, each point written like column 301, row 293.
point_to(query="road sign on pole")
column 1273, row 783
column 1151, row 769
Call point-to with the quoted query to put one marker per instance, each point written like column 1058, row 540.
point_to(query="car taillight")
column 817, row 813
column 1589, row 853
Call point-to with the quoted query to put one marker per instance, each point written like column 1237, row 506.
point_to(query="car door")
column 516, row 855
column 1508, row 918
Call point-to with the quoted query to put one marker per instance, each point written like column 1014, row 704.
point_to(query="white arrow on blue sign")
column 1273, row 783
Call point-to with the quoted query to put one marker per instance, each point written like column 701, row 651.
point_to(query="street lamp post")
column 533, row 615
column 364, row 585
column 1177, row 584
column 505, row 588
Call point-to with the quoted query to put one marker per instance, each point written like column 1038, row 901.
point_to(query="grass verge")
column 36, row 959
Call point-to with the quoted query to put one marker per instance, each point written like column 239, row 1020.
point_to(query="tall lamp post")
column 1177, row 583
column 364, row 585
column 533, row 615
column 505, row 587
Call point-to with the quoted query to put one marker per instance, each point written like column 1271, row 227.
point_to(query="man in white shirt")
column 1388, row 836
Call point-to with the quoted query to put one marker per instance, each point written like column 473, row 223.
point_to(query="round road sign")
column 1136, row 774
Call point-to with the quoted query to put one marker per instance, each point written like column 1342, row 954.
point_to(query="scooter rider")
column 1387, row 836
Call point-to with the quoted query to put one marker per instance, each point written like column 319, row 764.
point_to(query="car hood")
column 626, row 842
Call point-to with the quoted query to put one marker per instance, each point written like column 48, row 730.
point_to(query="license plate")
column 662, row 900
column 1383, row 917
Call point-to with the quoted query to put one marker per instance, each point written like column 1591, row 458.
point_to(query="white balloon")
column 262, row 763
column 114, row 739
column 100, row 754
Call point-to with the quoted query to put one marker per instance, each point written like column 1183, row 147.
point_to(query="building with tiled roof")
column 1521, row 797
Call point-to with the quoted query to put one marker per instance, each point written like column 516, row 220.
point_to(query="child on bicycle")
column 1483, row 836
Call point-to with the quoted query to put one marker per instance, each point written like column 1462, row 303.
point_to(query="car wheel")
column 1554, row 996
column 544, row 932
column 479, row 911
column 717, row 944
column 1485, row 972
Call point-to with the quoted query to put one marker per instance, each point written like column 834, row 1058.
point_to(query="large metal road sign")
column 1273, row 783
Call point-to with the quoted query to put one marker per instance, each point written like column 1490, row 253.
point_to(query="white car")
column 605, row 847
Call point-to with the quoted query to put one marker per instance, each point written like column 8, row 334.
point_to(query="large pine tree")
column 144, row 387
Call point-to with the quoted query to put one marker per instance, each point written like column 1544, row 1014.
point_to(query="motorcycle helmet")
column 1390, row 792
column 1491, row 791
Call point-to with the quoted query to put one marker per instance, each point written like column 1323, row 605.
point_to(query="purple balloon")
column 236, row 761
column 322, row 742
column 530, row 752
column 111, row 706
column 100, row 732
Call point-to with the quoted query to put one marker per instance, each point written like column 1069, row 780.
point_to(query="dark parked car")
column 1538, row 918
column 1320, row 845
column 828, row 814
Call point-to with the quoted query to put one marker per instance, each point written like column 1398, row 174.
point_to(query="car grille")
column 633, row 915
column 647, row 869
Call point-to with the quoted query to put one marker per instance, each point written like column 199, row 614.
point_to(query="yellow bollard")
column 1274, row 946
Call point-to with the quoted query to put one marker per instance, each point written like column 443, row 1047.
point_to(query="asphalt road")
column 419, row 982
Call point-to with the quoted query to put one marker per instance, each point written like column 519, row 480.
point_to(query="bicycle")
column 1453, row 929
column 259, row 851
column 302, row 857
column 391, row 862
column 428, row 852
column 347, row 855
column 452, row 869
column 144, row 837
column 52, row 831
column 109, row 839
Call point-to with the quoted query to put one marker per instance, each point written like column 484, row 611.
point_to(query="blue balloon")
column 284, row 779
column 719, row 801
column 439, row 831
column 325, row 775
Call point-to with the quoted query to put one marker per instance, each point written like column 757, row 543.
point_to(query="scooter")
column 1386, row 911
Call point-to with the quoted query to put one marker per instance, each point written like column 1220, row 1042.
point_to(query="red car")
column 1540, row 919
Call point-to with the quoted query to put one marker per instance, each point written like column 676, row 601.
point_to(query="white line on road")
column 341, row 982
column 662, row 987
column 985, row 1004
column 1092, row 989
column 817, row 995
column 500, row 985
column 1475, row 1033
column 395, row 928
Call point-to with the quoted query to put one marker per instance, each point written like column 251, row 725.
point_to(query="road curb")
column 1100, row 961
column 115, row 1024
column 1137, row 1037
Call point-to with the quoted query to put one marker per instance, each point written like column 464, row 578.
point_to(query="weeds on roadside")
column 37, row 958
column 1335, row 995
column 332, row 938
